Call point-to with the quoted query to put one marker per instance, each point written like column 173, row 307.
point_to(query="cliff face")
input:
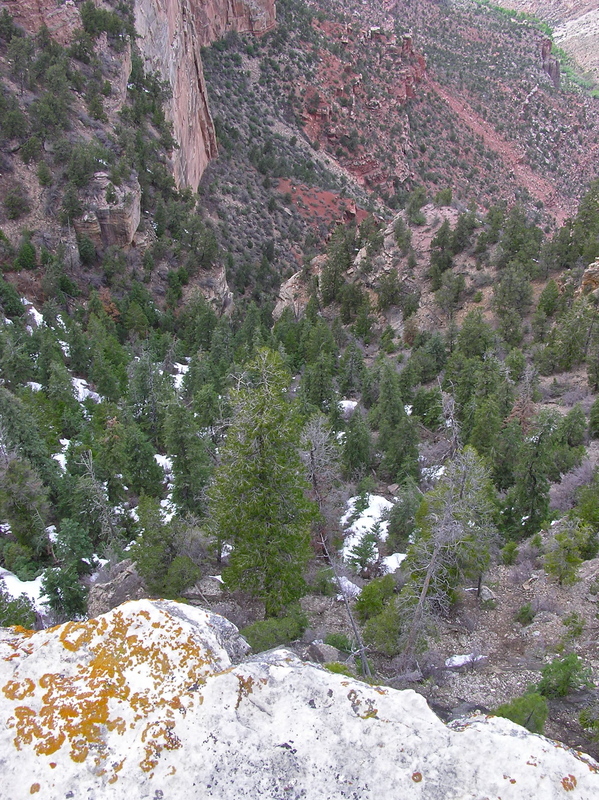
column 171, row 33
column 169, row 44
column 214, row 18
column 145, row 701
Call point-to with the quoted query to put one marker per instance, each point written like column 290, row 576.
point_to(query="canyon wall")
column 171, row 33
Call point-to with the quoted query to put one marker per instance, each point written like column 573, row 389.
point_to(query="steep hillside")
column 575, row 27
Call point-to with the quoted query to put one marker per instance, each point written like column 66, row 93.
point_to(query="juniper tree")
column 258, row 496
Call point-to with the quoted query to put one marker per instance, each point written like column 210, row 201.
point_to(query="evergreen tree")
column 258, row 497
column 191, row 468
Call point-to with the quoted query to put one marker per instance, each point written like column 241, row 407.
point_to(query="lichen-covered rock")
column 145, row 702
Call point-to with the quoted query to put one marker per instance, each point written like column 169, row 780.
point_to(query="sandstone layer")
column 145, row 701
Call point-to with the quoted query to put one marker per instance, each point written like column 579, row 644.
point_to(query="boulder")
column 124, row 584
column 147, row 701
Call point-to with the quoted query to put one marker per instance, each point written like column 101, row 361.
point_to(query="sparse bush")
column 268, row 633
column 15, row 611
column 339, row 669
column 16, row 202
column 509, row 553
column 373, row 597
column 562, row 676
column 340, row 641
column 525, row 614
column 530, row 710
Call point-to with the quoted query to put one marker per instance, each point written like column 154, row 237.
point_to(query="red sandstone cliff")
column 171, row 33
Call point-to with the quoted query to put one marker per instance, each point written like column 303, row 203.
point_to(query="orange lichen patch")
column 380, row 690
column 22, row 631
column 34, row 789
column 417, row 777
column 244, row 689
column 124, row 675
column 157, row 737
column 52, row 765
column 18, row 690
column 569, row 783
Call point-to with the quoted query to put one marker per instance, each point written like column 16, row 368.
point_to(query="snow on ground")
column 347, row 407
column 62, row 457
column 169, row 509
column 392, row 562
column 166, row 463
column 34, row 386
column 348, row 588
column 178, row 378
column 82, row 391
column 463, row 660
column 31, row 589
column 364, row 520
column 33, row 313
column 433, row 473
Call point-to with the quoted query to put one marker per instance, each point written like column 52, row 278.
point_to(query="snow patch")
column 358, row 523
column 31, row 589
column 392, row 562
column 349, row 589
column 83, row 392
column 463, row 660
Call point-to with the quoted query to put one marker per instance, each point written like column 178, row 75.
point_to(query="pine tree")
column 258, row 497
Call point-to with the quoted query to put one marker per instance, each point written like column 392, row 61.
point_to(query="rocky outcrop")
column 170, row 46
column 145, row 702
column 61, row 18
column 215, row 18
column 551, row 64
column 215, row 288
column 124, row 583
column 110, row 221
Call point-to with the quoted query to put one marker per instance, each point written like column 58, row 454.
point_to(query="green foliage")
column 524, row 616
column 562, row 676
column 65, row 594
column 563, row 556
column 529, row 710
column 16, row 202
column 339, row 669
column 509, row 553
column 258, row 499
column 374, row 596
column 401, row 523
column 382, row 631
column 26, row 256
column 15, row 611
column 340, row 641
column 268, row 633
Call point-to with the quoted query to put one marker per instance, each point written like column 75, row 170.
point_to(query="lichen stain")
column 569, row 783
column 77, row 710
column 34, row 789
column 244, row 689
column 417, row 777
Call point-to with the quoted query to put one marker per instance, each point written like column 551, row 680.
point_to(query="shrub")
column 509, row 553
column 382, row 631
column 10, row 300
column 15, row 611
column 525, row 614
column 323, row 583
column 87, row 250
column 16, row 202
column 182, row 573
column 26, row 257
column 44, row 175
column 339, row 669
column 268, row 633
column 340, row 641
column 562, row 675
column 529, row 710
column 373, row 597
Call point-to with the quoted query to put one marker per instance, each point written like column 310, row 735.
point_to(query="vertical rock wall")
column 169, row 45
column 171, row 33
